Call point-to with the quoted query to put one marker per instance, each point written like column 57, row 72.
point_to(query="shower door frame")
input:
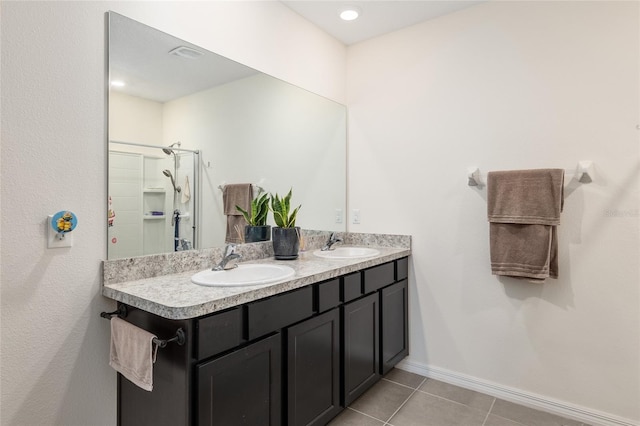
column 196, row 177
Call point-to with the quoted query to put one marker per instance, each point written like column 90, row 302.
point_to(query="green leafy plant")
column 259, row 211
column 281, row 208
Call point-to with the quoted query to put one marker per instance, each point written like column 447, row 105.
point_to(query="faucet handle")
column 229, row 249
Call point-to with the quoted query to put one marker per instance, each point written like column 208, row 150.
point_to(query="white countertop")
column 174, row 296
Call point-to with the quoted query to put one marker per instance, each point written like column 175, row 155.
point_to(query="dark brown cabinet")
column 242, row 387
column 313, row 370
column 394, row 330
column 296, row 358
column 361, row 331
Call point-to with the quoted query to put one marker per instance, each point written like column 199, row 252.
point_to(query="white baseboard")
column 538, row 402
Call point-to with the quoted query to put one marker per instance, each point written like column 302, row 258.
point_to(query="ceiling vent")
column 186, row 52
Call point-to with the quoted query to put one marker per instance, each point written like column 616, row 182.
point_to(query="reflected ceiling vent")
column 186, row 52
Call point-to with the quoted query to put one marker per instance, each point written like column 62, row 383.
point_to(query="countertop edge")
column 334, row 268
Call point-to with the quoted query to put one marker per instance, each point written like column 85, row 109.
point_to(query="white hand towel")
column 186, row 190
column 132, row 353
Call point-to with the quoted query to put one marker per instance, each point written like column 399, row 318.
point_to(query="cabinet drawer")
column 219, row 333
column 327, row 295
column 274, row 313
column 351, row 287
column 402, row 269
column 378, row 277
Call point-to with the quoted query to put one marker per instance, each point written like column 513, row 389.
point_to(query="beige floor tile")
column 455, row 393
column 427, row 410
column 404, row 378
column 500, row 421
column 382, row 400
column 352, row 418
column 529, row 416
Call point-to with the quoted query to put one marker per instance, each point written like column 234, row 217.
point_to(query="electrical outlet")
column 53, row 238
column 338, row 215
column 356, row 215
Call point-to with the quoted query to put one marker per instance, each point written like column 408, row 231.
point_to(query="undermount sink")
column 244, row 275
column 347, row 253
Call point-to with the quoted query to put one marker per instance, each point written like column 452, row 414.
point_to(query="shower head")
column 168, row 174
column 168, row 150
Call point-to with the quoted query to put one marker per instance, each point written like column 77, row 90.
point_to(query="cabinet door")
column 243, row 387
column 313, row 371
column 169, row 403
column 360, row 340
column 394, row 320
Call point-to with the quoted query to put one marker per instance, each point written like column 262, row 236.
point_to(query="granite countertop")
column 174, row 296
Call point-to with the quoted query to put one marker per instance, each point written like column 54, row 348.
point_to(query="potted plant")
column 286, row 235
column 257, row 228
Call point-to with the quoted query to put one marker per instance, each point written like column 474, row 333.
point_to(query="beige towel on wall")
column 524, row 209
column 132, row 353
column 239, row 194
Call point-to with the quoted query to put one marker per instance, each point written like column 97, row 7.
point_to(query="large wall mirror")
column 185, row 122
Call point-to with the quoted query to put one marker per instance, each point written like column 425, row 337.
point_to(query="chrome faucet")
column 183, row 244
column 229, row 255
column 333, row 239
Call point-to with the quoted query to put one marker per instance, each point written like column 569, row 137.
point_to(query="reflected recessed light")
column 118, row 83
column 349, row 13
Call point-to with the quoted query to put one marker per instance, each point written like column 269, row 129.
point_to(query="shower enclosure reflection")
column 152, row 199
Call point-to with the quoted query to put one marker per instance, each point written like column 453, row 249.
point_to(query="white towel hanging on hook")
column 186, row 191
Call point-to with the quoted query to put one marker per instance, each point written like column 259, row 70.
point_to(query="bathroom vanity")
column 296, row 356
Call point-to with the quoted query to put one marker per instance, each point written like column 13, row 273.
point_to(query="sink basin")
column 347, row 253
column 244, row 275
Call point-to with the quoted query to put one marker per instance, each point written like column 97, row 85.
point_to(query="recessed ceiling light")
column 186, row 52
column 118, row 83
column 349, row 13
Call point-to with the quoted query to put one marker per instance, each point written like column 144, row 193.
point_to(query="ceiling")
column 138, row 56
column 376, row 17
column 138, row 53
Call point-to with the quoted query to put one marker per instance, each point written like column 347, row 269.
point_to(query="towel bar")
column 583, row 174
column 180, row 338
column 255, row 187
column 121, row 312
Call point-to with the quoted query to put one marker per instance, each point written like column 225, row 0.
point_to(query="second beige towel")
column 523, row 208
column 237, row 194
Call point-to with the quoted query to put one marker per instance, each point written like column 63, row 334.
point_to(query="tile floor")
column 406, row 399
